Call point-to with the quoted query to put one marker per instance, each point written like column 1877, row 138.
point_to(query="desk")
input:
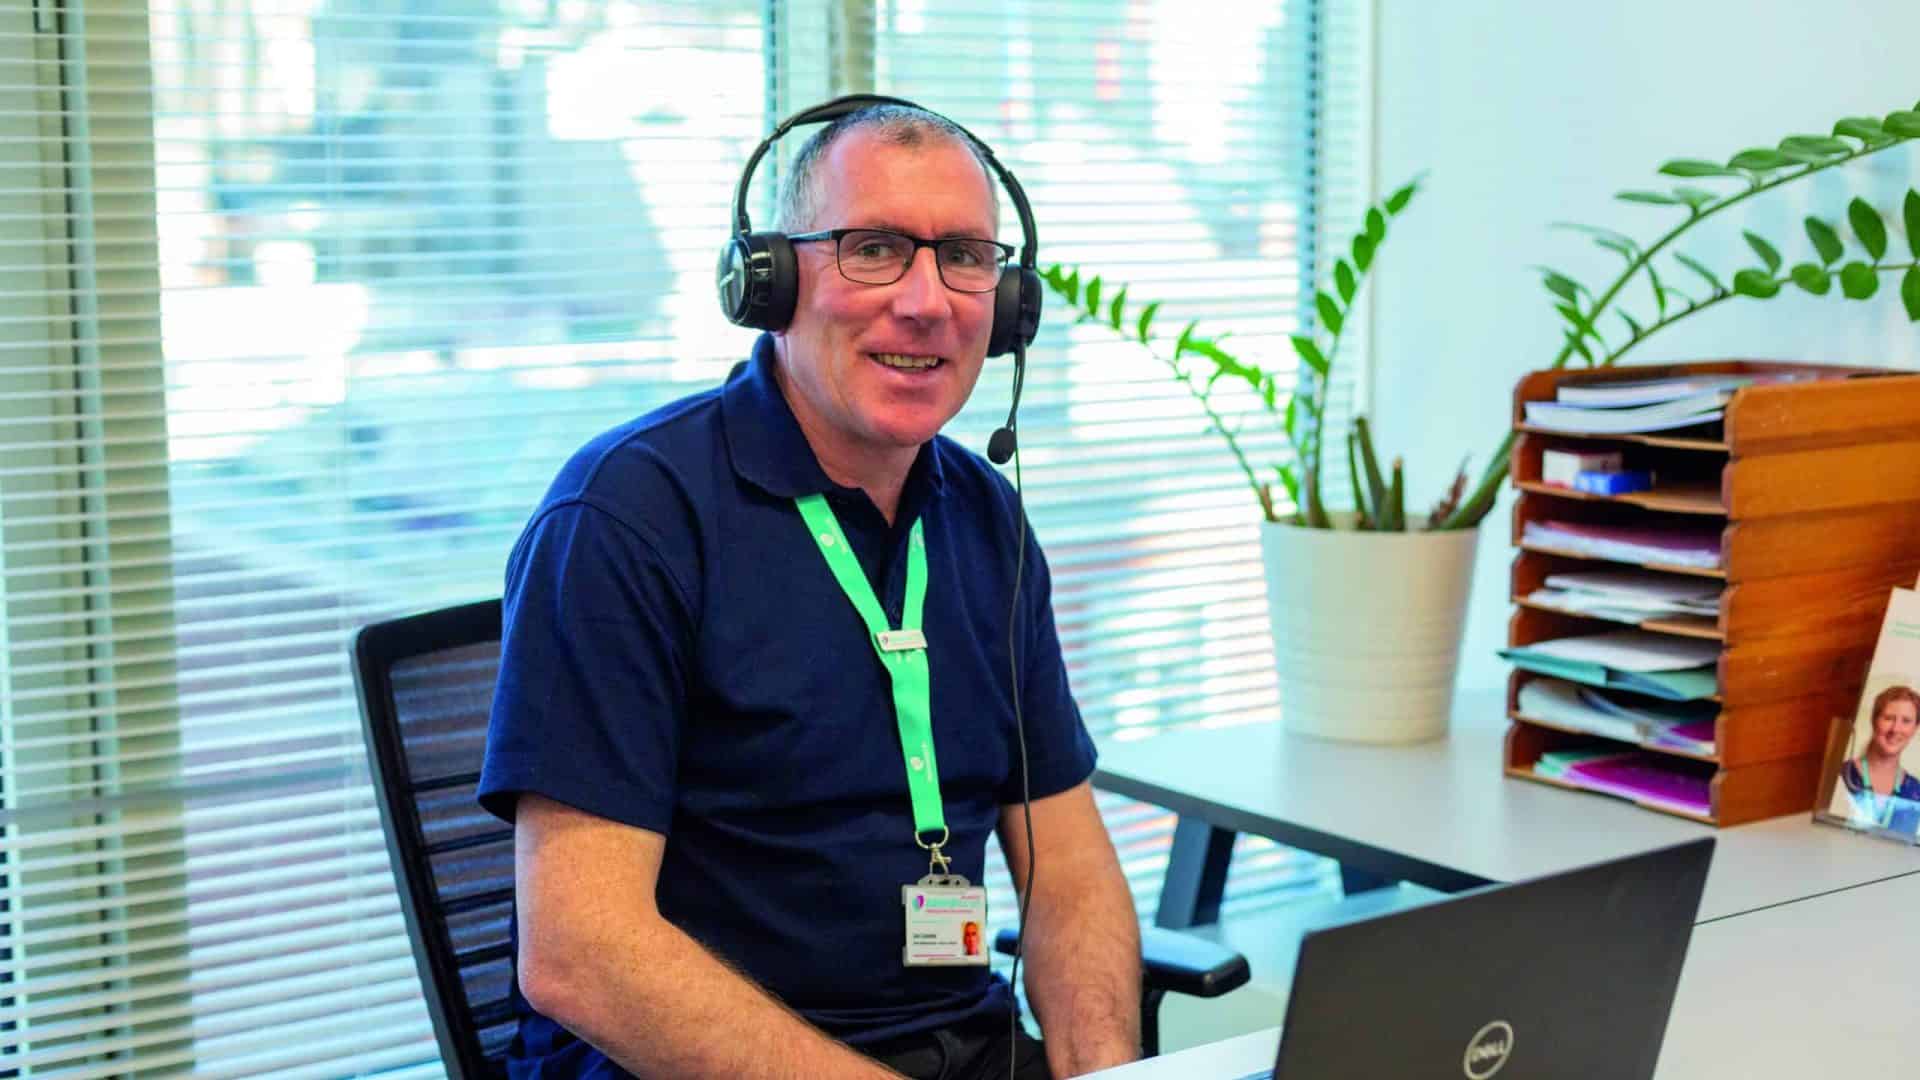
column 1441, row 814
column 1780, row 994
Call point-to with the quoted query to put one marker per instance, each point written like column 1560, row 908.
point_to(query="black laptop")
column 1568, row 977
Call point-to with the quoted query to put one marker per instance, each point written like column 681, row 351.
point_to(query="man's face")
column 842, row 356
column 1893, row 728
column 972, row 938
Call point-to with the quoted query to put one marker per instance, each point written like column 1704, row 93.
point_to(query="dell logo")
column 1488, row 1051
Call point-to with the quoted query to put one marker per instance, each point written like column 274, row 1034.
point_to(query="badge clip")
column 900, row 640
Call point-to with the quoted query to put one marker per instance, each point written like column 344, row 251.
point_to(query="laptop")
column 1567, row 977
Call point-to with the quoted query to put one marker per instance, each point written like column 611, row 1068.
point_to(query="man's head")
column 876, row 370
column 1896, row 712
column 970, row 938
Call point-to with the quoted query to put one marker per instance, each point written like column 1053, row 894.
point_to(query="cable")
column 1026, row 792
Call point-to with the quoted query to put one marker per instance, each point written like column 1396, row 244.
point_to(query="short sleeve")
column 592, row 688
column 1060, row 753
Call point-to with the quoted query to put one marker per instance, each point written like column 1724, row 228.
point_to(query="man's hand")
column 597, row 958
column 1082, row 936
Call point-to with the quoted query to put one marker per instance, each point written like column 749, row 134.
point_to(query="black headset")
column 758, row 279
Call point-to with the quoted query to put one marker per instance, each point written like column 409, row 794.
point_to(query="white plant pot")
column 1366, row 628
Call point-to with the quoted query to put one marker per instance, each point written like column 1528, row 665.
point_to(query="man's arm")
column 597, row 957
column 1083, row 940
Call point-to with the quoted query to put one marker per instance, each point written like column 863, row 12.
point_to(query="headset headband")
column 829, row 111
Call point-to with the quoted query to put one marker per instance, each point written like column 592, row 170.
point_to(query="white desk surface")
column 1446, row 803
column 1783, row 994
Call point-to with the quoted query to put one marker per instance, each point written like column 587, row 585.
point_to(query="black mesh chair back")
column 426, row 684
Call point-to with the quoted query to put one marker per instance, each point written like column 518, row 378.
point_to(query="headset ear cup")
column 1016, row 311
column 758, row 281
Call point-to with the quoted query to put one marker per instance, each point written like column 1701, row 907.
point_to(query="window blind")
column 304, row 301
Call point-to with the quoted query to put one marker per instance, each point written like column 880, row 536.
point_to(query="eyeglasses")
column 881, row 257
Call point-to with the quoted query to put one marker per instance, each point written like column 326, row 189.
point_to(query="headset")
column 758, row 278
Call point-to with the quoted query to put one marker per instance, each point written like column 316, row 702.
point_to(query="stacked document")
column 1634, row 774
column 1616, row 394
column 1703, row 407
column 1671, row 668
column 1684, row 726
column 1630, row 596
column 1673, row 543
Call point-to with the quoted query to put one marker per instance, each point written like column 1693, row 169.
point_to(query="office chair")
column 426, row 686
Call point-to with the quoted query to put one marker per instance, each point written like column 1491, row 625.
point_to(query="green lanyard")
column 903, row 655
column 1882, row 814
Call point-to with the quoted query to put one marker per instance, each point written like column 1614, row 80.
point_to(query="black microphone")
column 1001, row 445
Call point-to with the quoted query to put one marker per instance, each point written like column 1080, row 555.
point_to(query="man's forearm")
column 666, row 1007
column 1083, row 974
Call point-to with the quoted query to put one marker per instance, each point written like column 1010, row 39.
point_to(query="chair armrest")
column 1172, row 961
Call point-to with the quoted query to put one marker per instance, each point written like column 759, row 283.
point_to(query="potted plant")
column 1368, row 601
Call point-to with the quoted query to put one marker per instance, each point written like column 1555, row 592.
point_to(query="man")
column 698, row 742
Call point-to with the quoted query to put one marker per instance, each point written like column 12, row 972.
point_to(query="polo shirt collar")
column 767, row 448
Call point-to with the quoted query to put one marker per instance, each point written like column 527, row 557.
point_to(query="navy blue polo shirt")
column 678, row 657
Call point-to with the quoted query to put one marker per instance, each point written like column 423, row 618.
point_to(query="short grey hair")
column 894, row 125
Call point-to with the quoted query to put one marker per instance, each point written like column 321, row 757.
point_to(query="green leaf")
column 1561, row 285
column 1292, row 421
column 1376, row 486
column 1578, row 344
column 1353, row 474
column 1114, row 309
column 1093, row 297
column 1344, row 279
column 1288, row 481
column 1054, row 275
column 1695, row 198
column 1329, row 312
column 1146, row 321
column 1689, row 301
column 1759, row 159
column 1651, row 198
column 1606, row 238
column 1626, row 250
column 1910, row 209
column 1582, row 325
column 1310, row 354
column 1394, row 514
column 1363, row 249
column 1694, row 167
column 1868, row 227
column 1814, row 148
column 1397, row 201
column 1185, row 340
column 1699, row 268
column 1825, row 241
column 1904, row 124
column 1865, row 128
column 1814, row 279
column 1632, row 327
column 1755, row 283
column 1858, row 281
column 1376, row 225
column 1765, row 251
column 1072, row 286
column 1910, row 292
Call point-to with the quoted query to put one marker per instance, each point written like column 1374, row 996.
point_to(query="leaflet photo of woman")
column 1877, row 785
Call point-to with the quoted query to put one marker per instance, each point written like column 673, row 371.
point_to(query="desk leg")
column 1196, row 875
column 1355, row 880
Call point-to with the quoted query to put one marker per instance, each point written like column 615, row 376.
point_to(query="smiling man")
column 756, row 691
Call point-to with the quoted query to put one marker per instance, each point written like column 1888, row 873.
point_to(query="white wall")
column 1527, row 112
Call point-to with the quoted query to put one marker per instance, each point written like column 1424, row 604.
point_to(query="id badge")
column 946, row 922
